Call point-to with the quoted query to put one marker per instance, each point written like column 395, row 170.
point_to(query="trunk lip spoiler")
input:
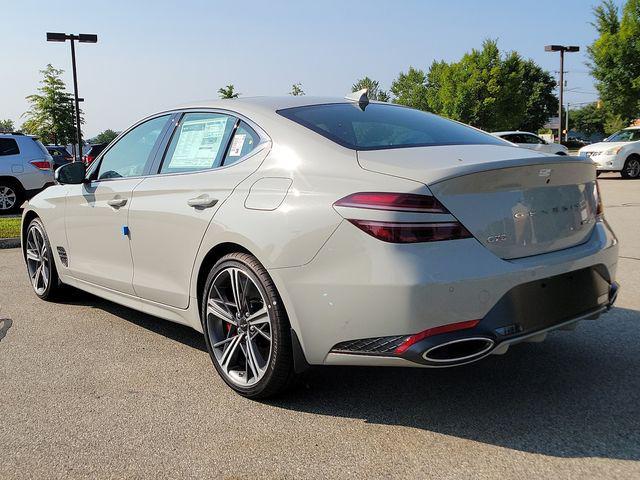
column 463, row 170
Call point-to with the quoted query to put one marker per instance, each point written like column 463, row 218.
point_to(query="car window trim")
column 95, row 166
column 262, row 135
column 165, row 148
column 228, row 145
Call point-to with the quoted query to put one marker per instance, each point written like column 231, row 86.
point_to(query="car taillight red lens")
column 399, row 232
column 404, row 232
column 452, row 327
column 404, row 202
column 599, row 206
column 42, row 165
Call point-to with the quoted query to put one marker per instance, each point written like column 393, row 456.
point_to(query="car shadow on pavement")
column 174, row 331
column 575, row 395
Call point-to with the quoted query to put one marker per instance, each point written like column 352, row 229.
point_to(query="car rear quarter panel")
column 283, row 213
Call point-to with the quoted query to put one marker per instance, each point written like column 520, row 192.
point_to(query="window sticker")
column 237, row 144
column 199, row 143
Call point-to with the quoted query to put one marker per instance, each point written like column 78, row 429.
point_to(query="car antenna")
column 360, row 96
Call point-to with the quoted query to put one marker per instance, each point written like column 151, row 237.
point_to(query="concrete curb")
column 9, row 242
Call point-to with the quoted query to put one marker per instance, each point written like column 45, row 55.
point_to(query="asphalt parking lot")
column 92, row 389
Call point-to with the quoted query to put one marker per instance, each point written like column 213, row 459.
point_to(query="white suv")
column 532, row 142
column 26, row 168
column 618, row 153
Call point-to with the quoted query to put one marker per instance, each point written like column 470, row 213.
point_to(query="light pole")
column 82, row 38
column 561, row 49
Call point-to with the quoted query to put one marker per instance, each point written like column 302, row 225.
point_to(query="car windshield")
column 379, row 126
column 632, row 135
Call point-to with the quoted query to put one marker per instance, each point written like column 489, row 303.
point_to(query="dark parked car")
column 59, row 154
column 93, row 153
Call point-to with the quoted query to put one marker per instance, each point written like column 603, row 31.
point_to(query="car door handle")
column 202, row 201
column 117, row 202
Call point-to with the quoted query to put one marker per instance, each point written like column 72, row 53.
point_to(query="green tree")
column 51, row 115
column 373, row 87
column 614, row 123
column 296, row 90
column 104, row 137
column 484, row 88
column 6, row 126
column 410, row 89
column 540, row 102
column 589, row 119
column 615, row 58
column 491, row 91
column 228, row 92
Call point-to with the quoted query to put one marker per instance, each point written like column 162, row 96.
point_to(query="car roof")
column 17, row 135
column 247, row 105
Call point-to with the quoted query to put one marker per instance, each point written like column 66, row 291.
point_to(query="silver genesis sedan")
column 305, row 231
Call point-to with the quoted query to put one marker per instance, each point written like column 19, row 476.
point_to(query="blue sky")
column 152, row 55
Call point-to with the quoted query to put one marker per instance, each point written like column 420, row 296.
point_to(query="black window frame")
column 328, row 135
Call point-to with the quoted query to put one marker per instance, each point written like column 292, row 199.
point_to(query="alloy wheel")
column 38, row 261
column 633, row 168
column 239, row 326
column 7, row 197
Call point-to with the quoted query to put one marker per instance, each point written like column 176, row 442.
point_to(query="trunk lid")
column 516, row 202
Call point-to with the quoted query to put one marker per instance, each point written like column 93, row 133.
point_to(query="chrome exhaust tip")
column 463, row 350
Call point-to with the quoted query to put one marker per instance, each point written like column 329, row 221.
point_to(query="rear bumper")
column 526, row 314
column 360, row 288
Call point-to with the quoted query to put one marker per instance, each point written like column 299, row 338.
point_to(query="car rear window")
column 8, row 146
column 42, row 148
column 379, row 126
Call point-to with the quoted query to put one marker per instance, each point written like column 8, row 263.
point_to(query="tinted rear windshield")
column 380, row 126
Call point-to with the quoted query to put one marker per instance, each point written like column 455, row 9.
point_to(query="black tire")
column 10, row 191
column 278, row 371
column 54, row 287
column 631, row 169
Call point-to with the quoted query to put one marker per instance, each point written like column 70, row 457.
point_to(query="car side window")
column 244, row 141
column 533, row 139
column 128, row 157
column 8, row 146
column 198, row 143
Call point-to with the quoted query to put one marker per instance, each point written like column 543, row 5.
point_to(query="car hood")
column 602, row 146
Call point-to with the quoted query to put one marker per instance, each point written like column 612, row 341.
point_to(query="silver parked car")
column 26, row 168
column 299, row 230
column 533, row 142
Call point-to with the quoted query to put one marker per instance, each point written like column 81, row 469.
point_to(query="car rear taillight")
column 404, row 232
column 401, row 232
column 41, row 164
column 403, row 202
column 599, row 206
column 452, row 327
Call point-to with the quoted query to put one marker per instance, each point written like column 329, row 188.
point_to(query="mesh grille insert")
column 370, row 346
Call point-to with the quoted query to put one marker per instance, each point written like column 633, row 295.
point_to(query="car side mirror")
column 72, row 173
